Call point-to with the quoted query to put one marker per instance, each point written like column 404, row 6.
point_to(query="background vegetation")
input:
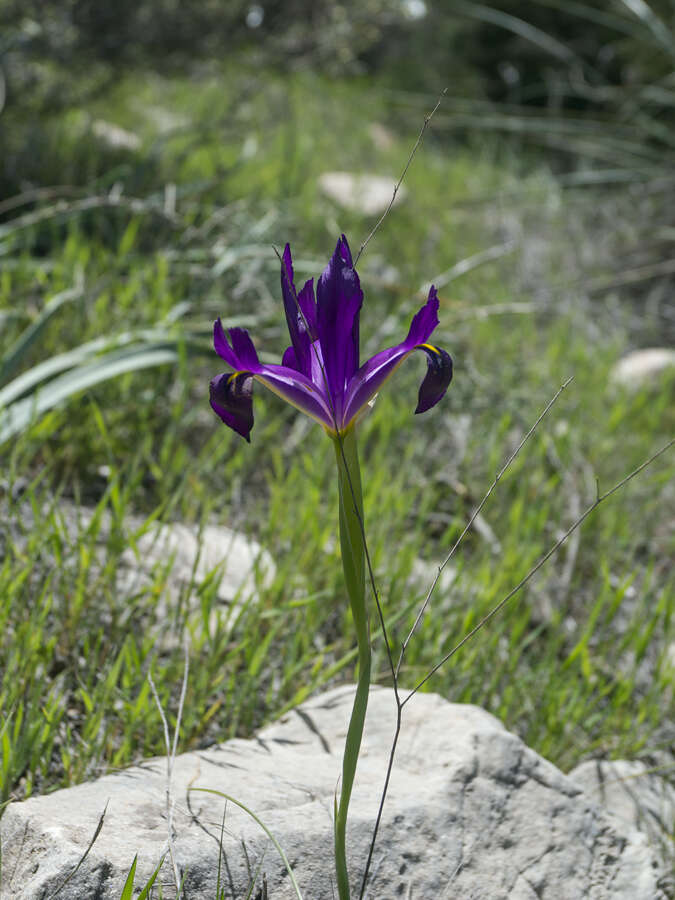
column 151, row 155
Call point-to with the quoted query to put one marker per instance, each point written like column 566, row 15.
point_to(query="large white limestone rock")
column 472, row 813
column 639, row 795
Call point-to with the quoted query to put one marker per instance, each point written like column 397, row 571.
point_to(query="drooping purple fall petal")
column 232, row 399
column 373, row 373
column 290, row 384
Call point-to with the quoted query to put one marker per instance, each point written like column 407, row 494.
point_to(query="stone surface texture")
column 193, row 555
column 367, row 194
column 634, row 792
column 473, row 814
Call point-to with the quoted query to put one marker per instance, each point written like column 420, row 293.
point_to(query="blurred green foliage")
column 614, row 61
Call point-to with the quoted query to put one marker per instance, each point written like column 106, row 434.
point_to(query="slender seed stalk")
column 353, row 564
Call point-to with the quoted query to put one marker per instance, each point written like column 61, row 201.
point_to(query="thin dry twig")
column 398, row 184
column 600, row 498
column 474, row 516
column 399, row 703
column 171, row 749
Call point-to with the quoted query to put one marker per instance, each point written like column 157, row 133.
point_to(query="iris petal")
column 222, row 346
column 371, row 376
column 289, row 359
column 232, row 399
column 297, row 308
column 425, row 321
column 247, row 358
column 296, row 389
column 308, row 307
column 339, row 299
column 232, row 395
column 437, row 379
column 241, row 354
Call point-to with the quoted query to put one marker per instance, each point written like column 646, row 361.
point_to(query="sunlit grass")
column 577, row 665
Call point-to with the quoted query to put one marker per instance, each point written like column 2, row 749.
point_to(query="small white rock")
column 115, row 136
column 193, row 556
column 381, row 137
column 189, row 557
column 367, row 194
column 643, row 366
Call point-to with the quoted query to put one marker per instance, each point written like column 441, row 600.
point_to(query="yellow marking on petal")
column 430, row 347
column 234, row 375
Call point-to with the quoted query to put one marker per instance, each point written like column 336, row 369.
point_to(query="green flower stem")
column 353, row 564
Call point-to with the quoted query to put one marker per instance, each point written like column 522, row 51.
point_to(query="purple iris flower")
column 320, row 373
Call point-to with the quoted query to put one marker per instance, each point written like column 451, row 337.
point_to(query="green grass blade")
column 127, row 891
column 658, row 28
column 264, row 827
column 518, row 26
column 254, row 878
column 71, row 874
column 12, row 360
column 591, row 14
column 55, row 365
column 19, row 416
column 62, row 362
column 128, row 888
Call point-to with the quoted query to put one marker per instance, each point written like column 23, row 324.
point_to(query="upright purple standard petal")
column 222, row 345
column 240, row 354
column 308, row 307
column 300, row 316
column 339, row 299
column 424, row 322
column 371, row 376
column 243, row 348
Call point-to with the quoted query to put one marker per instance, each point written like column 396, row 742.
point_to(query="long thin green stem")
column 353, row 563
